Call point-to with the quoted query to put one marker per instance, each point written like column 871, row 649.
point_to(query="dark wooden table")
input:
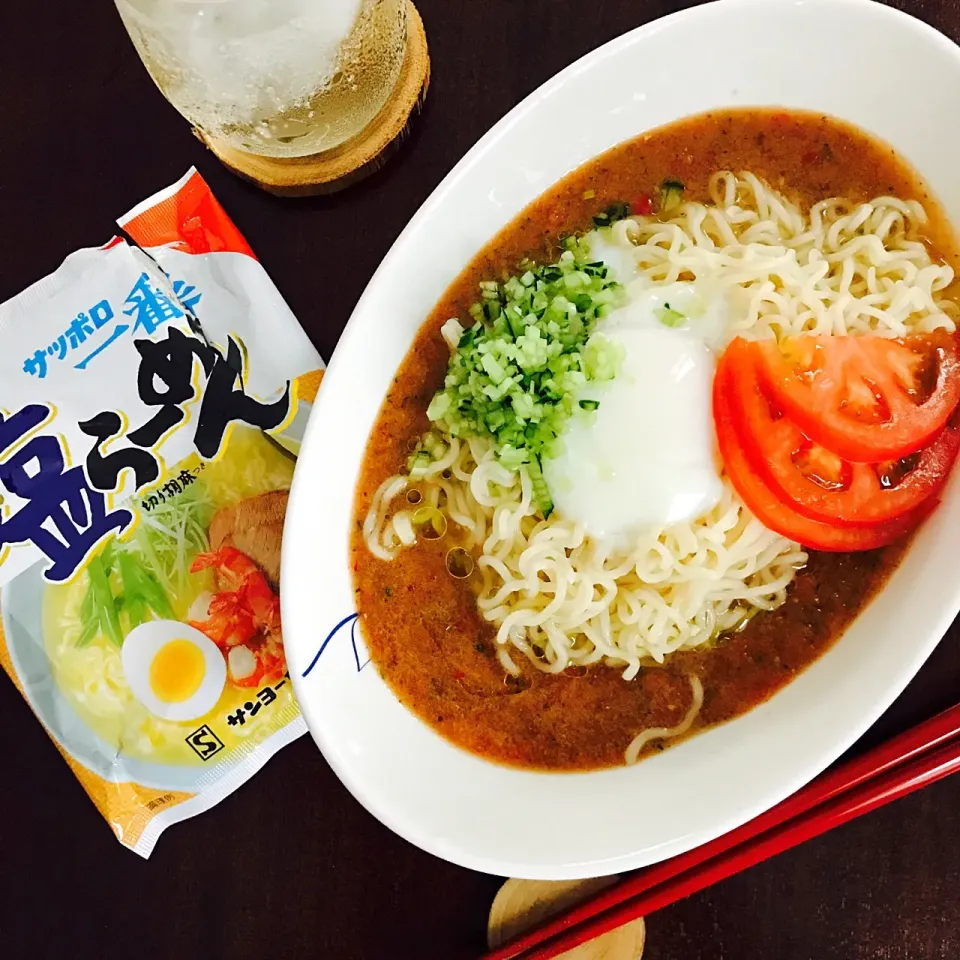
column 291, row 866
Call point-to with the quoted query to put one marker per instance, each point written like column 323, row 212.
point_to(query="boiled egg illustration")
column 173, row 669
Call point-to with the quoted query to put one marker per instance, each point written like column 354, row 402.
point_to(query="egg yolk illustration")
column 177, row 671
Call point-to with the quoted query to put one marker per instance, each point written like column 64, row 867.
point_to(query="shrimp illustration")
column 243, row 617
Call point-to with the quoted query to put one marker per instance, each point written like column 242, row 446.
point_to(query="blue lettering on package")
column 146, row 304
column 64, row 517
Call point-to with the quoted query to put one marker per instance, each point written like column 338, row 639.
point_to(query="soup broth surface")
column 422, row 626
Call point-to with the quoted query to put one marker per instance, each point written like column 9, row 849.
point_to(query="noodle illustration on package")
column 153, row 401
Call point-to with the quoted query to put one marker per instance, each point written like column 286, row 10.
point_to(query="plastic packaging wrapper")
column 153, row 400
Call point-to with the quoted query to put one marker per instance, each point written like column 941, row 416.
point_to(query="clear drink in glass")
column 277, row 78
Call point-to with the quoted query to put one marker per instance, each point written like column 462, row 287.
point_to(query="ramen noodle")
column 154, row 397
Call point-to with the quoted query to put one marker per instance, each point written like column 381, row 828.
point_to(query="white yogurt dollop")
column 647, row 456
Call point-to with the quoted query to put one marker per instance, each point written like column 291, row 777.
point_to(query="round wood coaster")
column 358, row 157
column 522, row 904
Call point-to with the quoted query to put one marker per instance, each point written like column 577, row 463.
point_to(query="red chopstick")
column 922, row 755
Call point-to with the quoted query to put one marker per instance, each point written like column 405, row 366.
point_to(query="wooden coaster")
column 358, row 157
column 522, row 904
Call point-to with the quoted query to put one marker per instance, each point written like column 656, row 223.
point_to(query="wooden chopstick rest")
column 522, row 904
column 360, row 156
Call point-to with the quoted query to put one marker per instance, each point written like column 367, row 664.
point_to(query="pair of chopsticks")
column 921, row 756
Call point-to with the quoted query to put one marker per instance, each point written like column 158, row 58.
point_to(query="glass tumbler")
column 275, row 78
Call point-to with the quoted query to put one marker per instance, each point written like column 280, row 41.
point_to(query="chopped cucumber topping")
column 669, row 317
column 613, row 213
column 671, row 195
column 514, row 374
column 541, row 492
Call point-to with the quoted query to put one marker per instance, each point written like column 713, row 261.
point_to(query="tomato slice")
column 815, row 481
column 770, row 509
column 865, row 398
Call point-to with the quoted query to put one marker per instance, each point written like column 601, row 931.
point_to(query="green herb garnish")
column 170, row 535
column 671, row 195
column 103, row 608
column 131, row 581
column 669, row 317
column 541, row 492
column 616, row 211
column 515, row 373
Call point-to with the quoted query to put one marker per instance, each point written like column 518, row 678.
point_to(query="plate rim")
column 453, row 852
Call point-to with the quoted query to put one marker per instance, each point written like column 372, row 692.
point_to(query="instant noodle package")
column 154, row 397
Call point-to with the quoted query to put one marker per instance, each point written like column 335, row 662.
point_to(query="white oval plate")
column 855, row 59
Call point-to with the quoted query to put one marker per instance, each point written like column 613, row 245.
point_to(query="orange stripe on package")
column 154, row 398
